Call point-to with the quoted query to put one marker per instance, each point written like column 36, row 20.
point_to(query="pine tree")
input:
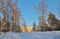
column 34, row 25
column 53, row 21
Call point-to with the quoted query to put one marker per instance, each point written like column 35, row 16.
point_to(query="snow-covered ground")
column 31, row 35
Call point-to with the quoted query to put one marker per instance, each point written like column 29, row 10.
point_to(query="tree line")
column 52, row 23
column 12, row 16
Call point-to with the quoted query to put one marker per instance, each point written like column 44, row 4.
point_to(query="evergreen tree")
column 34, row 25
column 53, row 22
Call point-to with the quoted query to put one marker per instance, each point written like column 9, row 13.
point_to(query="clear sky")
column 28, row 12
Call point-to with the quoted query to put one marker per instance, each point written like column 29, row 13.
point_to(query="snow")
column 31, row 35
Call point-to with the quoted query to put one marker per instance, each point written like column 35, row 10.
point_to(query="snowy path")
column 31, row 35
column 10, row 36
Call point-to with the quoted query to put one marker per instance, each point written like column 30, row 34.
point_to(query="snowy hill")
column 31, row 35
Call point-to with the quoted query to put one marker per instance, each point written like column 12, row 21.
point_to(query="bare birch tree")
column 42, row 10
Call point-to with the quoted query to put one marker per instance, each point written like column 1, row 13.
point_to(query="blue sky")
column 28, row 12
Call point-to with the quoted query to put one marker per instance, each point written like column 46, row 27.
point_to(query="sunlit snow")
column 30, row 35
